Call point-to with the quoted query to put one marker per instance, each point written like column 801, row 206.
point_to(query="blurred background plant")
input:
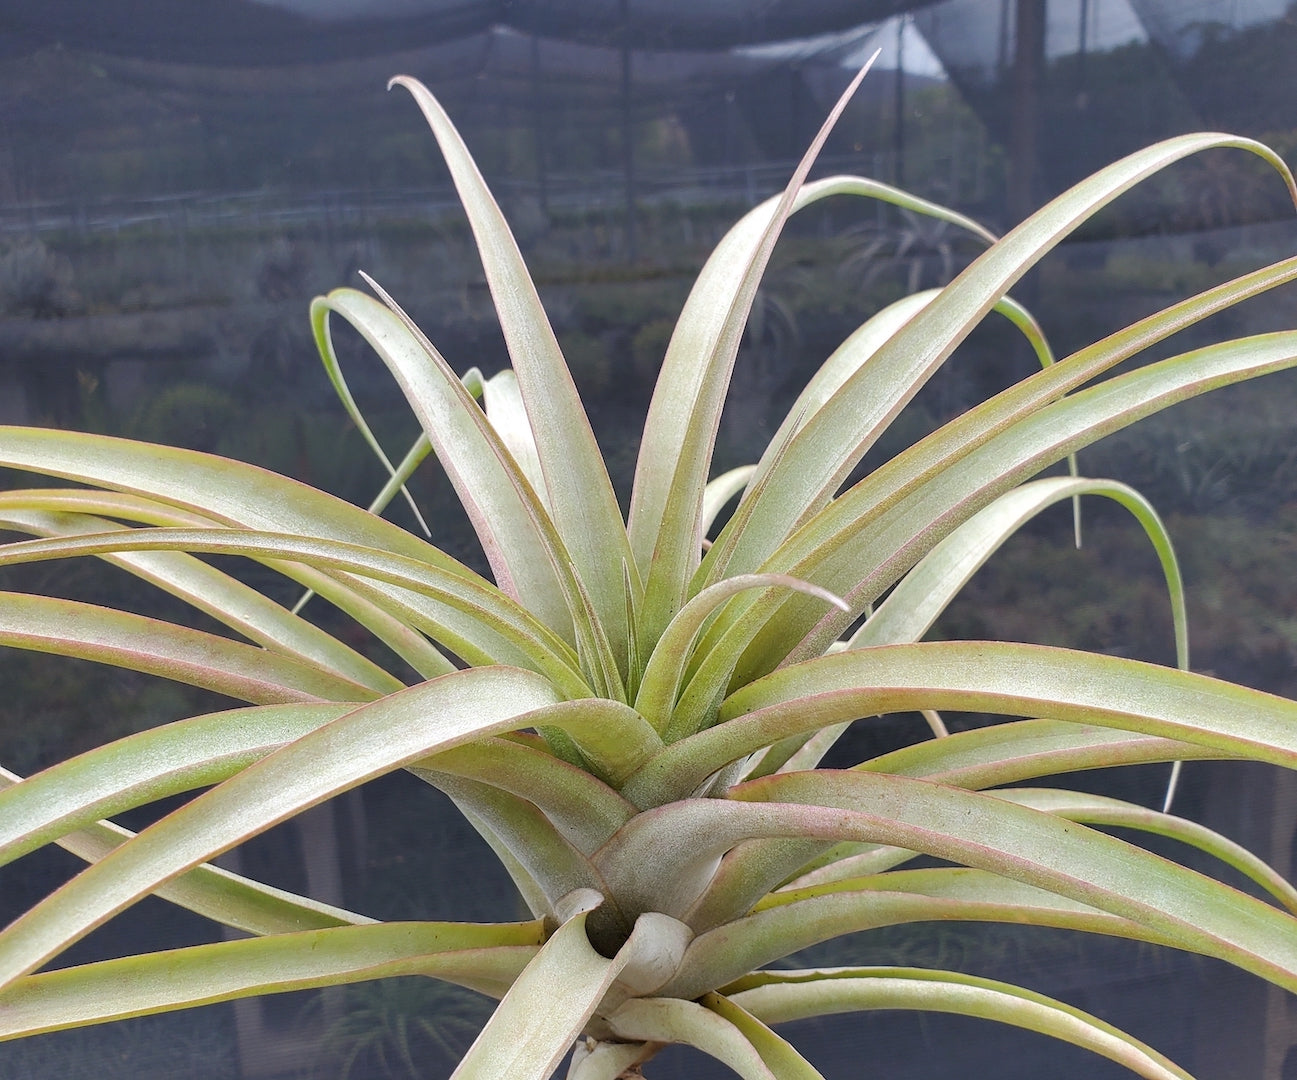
column 397, row 1029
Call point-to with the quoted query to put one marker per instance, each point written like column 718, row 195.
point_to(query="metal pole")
column 1081, row 49
column 1002, row 54
column 898, row 133
column 1028, row 73
column 538, row 129
column 627, row 134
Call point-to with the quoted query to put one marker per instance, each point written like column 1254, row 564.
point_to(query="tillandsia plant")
column 632, row 716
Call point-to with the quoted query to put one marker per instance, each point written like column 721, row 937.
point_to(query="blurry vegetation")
column 1236, row 459
column 1103, row 105
column 919, row 252
column 1262, row 56
column 400, row 1029
column 193, row 415
column 1105, row 596
column 34, row 281
column 198, row 1045
column 590, row 363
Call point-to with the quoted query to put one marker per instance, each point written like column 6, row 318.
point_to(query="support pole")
column 1028, row 77
column 628, row 134
column 1082, row 47
column 898, row 133
column 539, row 143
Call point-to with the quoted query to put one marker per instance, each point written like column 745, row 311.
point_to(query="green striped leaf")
column 793, row 995
column 486, row 958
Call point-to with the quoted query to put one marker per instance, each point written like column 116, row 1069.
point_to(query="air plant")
column 906, row 250
column 634, row 717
